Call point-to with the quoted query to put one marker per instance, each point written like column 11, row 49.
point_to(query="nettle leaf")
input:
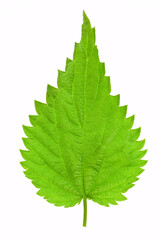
column 81, row 145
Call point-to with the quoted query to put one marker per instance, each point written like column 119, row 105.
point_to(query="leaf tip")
column 85, row 16
column 86, row 20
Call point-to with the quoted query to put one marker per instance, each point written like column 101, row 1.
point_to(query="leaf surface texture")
column 80, row 143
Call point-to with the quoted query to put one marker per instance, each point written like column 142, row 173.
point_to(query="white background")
column 35, row 39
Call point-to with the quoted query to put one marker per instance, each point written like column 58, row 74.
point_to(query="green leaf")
column 81, row 145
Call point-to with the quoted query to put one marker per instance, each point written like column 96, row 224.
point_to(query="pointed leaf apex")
column 88, row 35
column 86, row 21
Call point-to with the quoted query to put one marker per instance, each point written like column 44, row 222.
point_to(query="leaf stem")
column 84, row 212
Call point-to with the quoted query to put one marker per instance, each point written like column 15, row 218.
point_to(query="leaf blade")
column 81, row 144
